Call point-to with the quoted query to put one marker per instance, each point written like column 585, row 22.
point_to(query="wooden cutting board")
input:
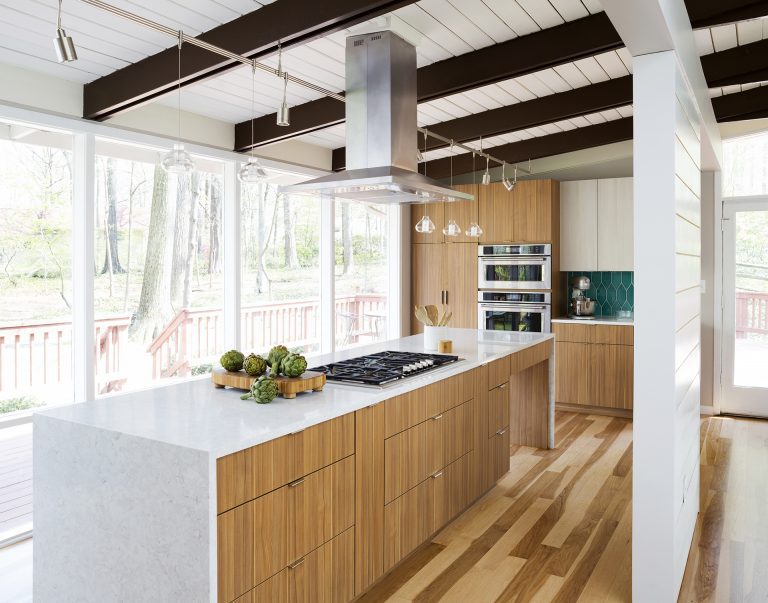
column 288, row 386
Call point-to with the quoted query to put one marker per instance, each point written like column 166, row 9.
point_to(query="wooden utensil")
column 433, row 314
column 421, row 316
column 444, row 320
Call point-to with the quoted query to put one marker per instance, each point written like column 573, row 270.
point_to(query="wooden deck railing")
column 751, row 313
column 39, row 354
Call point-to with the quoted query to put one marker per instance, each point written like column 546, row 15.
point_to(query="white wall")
column 667, row 325
column 710, row 198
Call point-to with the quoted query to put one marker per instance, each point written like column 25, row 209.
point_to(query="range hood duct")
column 381, row 129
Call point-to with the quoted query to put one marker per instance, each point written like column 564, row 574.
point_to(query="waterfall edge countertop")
column 195, row 415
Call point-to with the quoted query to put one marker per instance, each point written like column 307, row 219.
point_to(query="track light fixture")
column 508, row 184
column 177, row 160
column 62, row 43
column 474, row 230
column 252, row 172
column 284, row 112
column 486, row 180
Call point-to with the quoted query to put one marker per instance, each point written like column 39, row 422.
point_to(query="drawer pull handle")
column 437, row 417
column 295, row 483
column 436, row 475
column 501, row 432
column 503, row 386
column 296, row 564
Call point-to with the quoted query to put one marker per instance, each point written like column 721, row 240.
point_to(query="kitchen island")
column 187, row 493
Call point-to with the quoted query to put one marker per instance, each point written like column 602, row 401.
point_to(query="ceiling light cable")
column 177, row 160
column 252, row 171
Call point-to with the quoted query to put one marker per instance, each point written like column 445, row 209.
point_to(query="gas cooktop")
column 383, row 368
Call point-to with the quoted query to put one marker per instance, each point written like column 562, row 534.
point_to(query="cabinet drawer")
column 499, row 454
column 498, row 372
column 325, row 574
column 405, row 411
column 452, row 491
column 261, row 537
column 572, row 372
column 498, row 409
column 247, row 474
column 408, row 521
column 612, row 334
column 416, row 453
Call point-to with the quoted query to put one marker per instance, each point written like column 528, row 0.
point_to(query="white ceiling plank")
column 514, row 16
column 611, row 64
column 625, row 57
column 595, row 118
column 593, row 6
column 542, row 12
column 724, row 37
column 500, row 95
column 592, row 70
column 534, row 84
column 429, row 114
column 452, row 109
column 482, row 16
column 517, row 90
column 482, row 98
column 704, row 43
column 428, row 26
column 610, row 114
column 580, row 121
column 48, row 67
column 749, row 31
column 565, row 125
column 551, row 128
column 625, row 111
column 571, row 74
column 427, row 50
column 465, row 103
column 553, row 80
column 570, row 10
column 453, row 19
column 730, row 89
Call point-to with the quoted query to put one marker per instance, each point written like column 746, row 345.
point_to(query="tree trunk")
column 192, row 238
column 262, row 233
column 154, row 308
column 346, row 236
column 111, row 255
column 214, row 258
column 291, row 258
column 180, row 239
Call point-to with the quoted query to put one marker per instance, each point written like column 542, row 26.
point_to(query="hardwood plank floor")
column 15, row 480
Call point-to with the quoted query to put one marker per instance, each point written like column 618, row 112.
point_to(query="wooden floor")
column 15, row 480
column 556, row 528
column 729, row 556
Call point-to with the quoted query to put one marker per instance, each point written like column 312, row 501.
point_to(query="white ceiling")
column 440, row 28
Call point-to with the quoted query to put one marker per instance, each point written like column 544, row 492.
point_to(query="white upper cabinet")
column 596, row 225
column 615, row 220
column 578, row 225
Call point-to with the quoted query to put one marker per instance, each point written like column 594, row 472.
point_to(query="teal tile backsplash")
column 613, row 291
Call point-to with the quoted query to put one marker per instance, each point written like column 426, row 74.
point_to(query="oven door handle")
column 513, row 308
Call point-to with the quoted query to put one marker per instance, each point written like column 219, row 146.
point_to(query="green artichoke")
column 275, row 357
column 255, row 365
column 232, row 360
column 263, row 390
column 293, row 365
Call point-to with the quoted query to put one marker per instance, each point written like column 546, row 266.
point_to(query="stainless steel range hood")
column 381, row 129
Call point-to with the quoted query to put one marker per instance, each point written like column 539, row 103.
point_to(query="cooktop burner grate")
column 383, row 368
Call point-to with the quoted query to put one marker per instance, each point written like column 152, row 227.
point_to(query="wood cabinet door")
column 452, row 488
column 436, row 213
column 459, row 269
column 495, row 210
column 578, row 225
column 408, row 456
column 498, row 409
column 572, row 383
column 615, row 224
column 532, row 211
column 235, row 552
column 611, row 376
column 499, row 455
column 464, row 212
column 326, row 575
column 408, row 521
column 427, row 279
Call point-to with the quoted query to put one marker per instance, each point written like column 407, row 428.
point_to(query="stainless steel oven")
column 514, row 311
column 514, row 266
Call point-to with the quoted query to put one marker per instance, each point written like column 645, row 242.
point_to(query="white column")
column 232, row 268
column 327, row 274
column 83, row 336
column 667, row 182
column 398, row 266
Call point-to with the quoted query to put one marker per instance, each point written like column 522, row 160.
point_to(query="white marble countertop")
column 195, row 415
column 597, row 320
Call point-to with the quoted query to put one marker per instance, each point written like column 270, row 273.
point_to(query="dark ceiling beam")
column 751, row 104
column 534, row 148
column 545, row 110
column 708, row 13
column 740, row 65
column 547, row 48
column 254, row 35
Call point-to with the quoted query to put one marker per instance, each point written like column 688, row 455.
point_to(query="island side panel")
column 117, row 517
column 531, row 396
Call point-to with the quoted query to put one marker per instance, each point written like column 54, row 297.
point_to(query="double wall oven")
column 514, row 287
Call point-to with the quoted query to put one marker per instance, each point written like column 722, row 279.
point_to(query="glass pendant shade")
column 177, row 160
column 474, row 231
column 452, row 229
column 251, row 171
column 425, row 225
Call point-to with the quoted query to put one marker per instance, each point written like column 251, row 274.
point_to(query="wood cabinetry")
column 527, row 214
column 595, row 365
column 596, row 226
column 445, row 274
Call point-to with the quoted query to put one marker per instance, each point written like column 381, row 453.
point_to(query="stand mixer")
column 581, row 307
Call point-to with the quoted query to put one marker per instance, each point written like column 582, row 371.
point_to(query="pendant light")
column 62, row 43
column 425, row 225
column 284, row 112
column 452, row 229
column 509, row 185
column 252, row 172
column 487, row 175
column 177, row 160
column 474, row 231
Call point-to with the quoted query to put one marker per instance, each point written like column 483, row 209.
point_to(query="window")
column 158, row 268
column 745, row 167
column 35, row 268
column 361, row 272
column 280, row 263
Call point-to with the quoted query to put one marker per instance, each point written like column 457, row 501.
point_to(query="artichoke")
column 263, row 390
column 255, row 365
column 275, row 357
column 232, row 360
column 293, row 365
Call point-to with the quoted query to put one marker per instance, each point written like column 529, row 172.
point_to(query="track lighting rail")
column 180, row 35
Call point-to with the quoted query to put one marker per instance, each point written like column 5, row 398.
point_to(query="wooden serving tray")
column 288, row 386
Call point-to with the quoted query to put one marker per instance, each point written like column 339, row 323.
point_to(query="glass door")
column 745, row 306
